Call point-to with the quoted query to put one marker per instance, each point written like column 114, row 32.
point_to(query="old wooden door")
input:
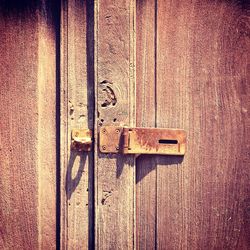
column 168, row 64
column 193, row 73
column 191, row 69
column 76, row 64
column 28, row 124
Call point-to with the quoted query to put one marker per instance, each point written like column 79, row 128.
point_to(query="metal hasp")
column 81, row 139
column 142, row 140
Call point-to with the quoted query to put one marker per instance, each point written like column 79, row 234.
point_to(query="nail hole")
column 166, row 141
column 114, row 120
column 105, row 81
column 105, row 104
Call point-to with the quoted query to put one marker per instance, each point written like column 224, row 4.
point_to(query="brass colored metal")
column 142, row 140
column 81, row 139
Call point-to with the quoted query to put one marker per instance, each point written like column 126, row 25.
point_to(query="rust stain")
column 142, row 140
column 81, row 139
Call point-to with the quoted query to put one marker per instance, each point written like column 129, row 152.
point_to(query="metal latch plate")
column 111, row 139
column 142, row 140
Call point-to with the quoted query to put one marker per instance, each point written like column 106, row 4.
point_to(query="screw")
column 104, row 131
column 117, row 131
column 104, row 147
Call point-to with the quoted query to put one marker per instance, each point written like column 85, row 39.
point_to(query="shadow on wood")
column 151, row 162
column 72, row 182
column 140, row 160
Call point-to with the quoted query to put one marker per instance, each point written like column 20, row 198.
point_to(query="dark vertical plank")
column 145, row 117
column 77, row 103
column 115, row 91
column 28, row 125
column 202, row 86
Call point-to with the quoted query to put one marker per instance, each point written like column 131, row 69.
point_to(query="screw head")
column 104, row 147
column 117, row 131
column 104, row 131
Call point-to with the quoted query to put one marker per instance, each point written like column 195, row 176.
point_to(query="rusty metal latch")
column 126, row 140
column 81, row 139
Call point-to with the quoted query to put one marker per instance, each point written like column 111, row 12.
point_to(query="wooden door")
column 193, row 73
column 145, row 63
column 97, row 88
column 28, row 124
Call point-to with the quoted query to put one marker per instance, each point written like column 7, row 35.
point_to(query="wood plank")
column 202, row 76
column 145, row 117
column 115, row 90
column 28, row 125
column 77, row 112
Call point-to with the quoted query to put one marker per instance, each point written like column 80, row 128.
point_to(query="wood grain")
column 202, row 86
column 28, row 125
column 77, row 112
column 145, row 117
column 115, row 90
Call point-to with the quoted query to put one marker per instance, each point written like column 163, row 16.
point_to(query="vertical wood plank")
column 28, row 125
column 47, row 131
column 77, row 112
column 64, row 143
column 202, row 75
column 201, row 66
column 115, row 88
column 145, row 117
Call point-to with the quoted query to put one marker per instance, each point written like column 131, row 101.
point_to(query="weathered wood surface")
column 114, row 174
column 27, row 125
column 201, row 85
column 77, row 103
column 145, row 117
